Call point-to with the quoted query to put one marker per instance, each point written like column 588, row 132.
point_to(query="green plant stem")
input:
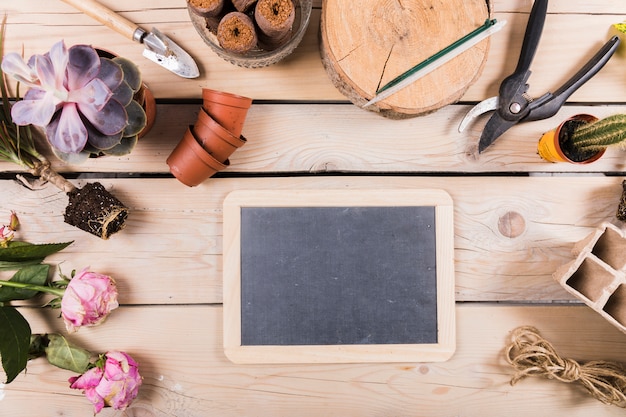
column 41, row 288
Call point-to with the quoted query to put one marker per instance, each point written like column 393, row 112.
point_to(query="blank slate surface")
column 338, row 276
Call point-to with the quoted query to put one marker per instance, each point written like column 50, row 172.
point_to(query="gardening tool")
column 513, row 105
column 159, row 48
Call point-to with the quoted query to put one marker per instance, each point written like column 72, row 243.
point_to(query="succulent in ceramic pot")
column 82, row 99
column 91, row 208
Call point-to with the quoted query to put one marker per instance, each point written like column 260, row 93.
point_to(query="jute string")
column 532, row 355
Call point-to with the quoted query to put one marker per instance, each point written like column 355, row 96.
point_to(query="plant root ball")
column 95, row 210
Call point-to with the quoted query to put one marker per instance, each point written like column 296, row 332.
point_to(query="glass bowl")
column 257, row 58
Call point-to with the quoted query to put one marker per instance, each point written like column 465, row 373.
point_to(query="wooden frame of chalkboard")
column 274, row 314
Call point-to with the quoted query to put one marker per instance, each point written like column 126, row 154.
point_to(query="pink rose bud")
column 6, row 235
column 88, row 299
column 14, row 223
column 115, row 383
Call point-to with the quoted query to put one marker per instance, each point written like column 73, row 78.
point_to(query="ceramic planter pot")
column 190, row 163
column 214, row 138
column 145, row 97
column 550, row 146
column 229, row 110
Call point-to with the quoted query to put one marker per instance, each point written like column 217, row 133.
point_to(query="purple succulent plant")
column 78, row 97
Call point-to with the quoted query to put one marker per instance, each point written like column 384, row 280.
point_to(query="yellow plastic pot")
column 549, row 146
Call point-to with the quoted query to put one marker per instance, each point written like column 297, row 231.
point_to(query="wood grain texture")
column 340, row 138
column 106, row 16
column 517, row 219
column 365, row 47
column 302, row 76
column 174, row 233
column 186, row 373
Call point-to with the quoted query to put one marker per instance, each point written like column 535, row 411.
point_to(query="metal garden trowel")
column 159, row 48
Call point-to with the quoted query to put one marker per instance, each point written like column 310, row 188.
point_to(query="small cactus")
column 598, row 135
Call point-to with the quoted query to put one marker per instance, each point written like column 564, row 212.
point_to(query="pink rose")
column 88, row 299
column 115, row 383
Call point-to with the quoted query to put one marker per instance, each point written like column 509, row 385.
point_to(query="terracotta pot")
column 214, row 138
column 145, row 97
column 549, row 146
column 190, row 163
column 229, row 110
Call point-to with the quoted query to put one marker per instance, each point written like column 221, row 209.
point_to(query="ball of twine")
column 532, row 355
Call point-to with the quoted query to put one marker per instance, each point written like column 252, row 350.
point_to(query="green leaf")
column 71, row 158
column 37, row 347
column 34, row 275
column 14, row 341
column 126, row 145
column 12, row 266
column 24, row 251
column 132, row 75
column 137, row 119
column 64, row 355
column 123, row 93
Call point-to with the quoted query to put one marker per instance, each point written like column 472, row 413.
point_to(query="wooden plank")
column 285, row 80
column 562, row 51
column 186, row 373
column 323, row 138
column 29, row 27
column 563, row 6
column 511, row 233
column 142, row 9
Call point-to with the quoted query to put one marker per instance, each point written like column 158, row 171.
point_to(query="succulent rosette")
column 113, row 382
column 84, row 101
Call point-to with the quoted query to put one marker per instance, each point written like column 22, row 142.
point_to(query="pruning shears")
column 513, row 105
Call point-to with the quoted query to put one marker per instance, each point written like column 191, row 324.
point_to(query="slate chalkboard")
column 338, row 275
column 326, row 276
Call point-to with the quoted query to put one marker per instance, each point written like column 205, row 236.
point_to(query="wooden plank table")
column 302, row 133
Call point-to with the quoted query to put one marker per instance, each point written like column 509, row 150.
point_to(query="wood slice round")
column 367, row 43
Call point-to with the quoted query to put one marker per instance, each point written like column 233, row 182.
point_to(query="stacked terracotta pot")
column 216, row 134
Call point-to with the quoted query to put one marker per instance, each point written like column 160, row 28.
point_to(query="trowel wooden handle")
column 106, row 16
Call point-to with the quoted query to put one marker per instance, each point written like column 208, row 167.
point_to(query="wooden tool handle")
column 105, row 16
